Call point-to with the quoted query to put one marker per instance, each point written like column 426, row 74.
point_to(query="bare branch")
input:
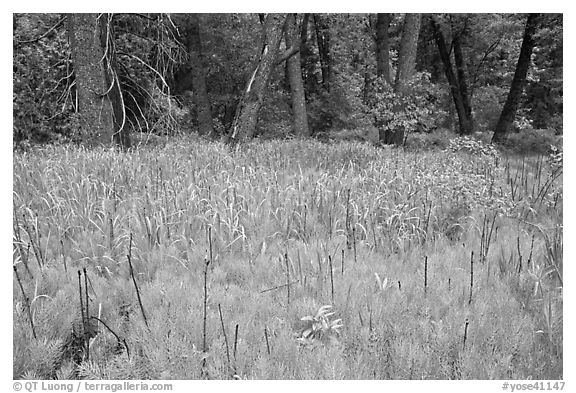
column 146, row 65
column 487, row 53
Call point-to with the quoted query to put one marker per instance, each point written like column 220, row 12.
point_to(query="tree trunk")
column 382, row 70
column 451, row 77
column 306, row 59
column 519, row 80
column 405, row 71
column 295, row 77
column 121, row 134
column 407, row 51
column 463, row 82
column 94, row 105
column 244, row 125
column 323, row 39
column 383, row 47
column 193, row 44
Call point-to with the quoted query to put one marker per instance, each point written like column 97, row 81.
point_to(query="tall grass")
column 275, row 220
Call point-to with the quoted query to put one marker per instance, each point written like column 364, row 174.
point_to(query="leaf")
column 323, row 310
column 385, row 283
column 263, row 250
column 378, row 281
column 336, row 324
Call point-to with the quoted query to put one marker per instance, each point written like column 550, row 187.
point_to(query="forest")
column 287, row 196
column 246, row 75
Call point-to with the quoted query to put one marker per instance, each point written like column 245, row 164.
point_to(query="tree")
column 100, row 102
column 464, row 121
column 404, row 72
column 144, row 72
column 519, row 80
column 121, row 134
column 407, row 51
column 544, row 90
column 193, row 42
column 244, row 125
column 307, row 59
column 461, row 74
column 323, row 39
column 293, row 64
column 383, row 46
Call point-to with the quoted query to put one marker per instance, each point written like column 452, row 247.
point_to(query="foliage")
column 155, row 77
column 320, row 327
column 544, row 91
column 42, row 103
column 488, row 105
column 556, row 158
column 293, row 225
column 474, row 147
column 330, row 111
column 472, row 186
column 532, row 141
column 230, row 43
column 521, row 122
column 417, row 110
column 492, row 46
column 43, row 79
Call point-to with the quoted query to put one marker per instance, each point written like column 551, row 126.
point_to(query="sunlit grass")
column 289, row 227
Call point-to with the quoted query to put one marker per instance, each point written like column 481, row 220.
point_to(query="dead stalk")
column 81, row 300
column 26, row 303
column 267, row 342
column 129, row 257
column 287, row 279
column 206, row 263
column 465, row 334
column 471, row 275
column 235, row 342
column 331, row 277
column 354, row 243
column 225, row 336
column 87, row 336
column 425, row 274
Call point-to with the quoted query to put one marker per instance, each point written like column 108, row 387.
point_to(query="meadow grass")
column 235, row 250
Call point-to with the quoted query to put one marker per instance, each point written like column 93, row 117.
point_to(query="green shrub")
column 488, row 105
column 474, row 147
column 417, row 110
column 532, row 141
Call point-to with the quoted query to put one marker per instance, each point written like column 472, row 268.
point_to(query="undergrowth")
column 440, row 264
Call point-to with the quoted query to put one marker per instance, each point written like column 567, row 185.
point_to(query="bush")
column 532, row 141
column 418, row 110
column 437, row 139
column 473, row 146
column 330, row 111
column 488, row 106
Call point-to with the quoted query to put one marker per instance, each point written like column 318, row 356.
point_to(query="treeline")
column 98, row 78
